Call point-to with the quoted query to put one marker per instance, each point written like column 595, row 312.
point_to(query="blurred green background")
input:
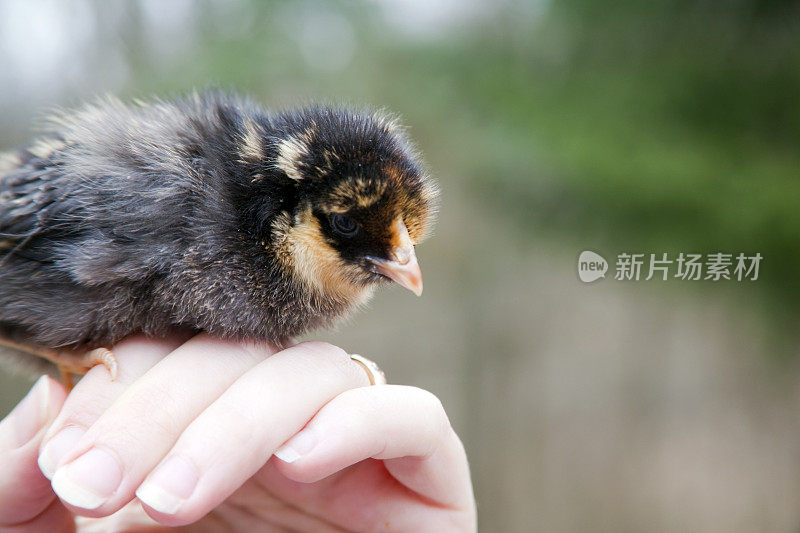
column 553, row 127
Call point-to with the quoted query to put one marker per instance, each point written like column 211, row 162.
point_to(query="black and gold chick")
column 208, row 213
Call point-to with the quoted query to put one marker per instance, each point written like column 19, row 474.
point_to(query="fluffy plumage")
column 206, row 212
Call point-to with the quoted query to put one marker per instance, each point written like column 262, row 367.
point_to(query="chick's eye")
column 344, row 225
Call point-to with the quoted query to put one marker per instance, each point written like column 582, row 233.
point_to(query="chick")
column 208, row 213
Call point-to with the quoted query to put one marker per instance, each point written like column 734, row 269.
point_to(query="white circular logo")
column 591, row 266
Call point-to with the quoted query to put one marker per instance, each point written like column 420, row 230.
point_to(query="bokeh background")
column 554, row 126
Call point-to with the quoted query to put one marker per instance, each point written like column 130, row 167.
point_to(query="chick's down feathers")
column 208, row 213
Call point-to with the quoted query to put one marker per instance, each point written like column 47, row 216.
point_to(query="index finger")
column 96, row 392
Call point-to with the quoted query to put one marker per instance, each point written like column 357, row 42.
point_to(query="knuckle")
column 350, row 414
column 81, row 410
column 328, row 358
column 152, row 399
column 149, row 408
column 359, row 411
column 439, row 422
column 330, row 353
column 324, row 348
column 430, row 401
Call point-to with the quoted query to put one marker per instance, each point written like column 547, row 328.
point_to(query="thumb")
column 25, row 494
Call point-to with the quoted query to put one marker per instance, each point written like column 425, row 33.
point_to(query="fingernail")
column 88, row 481
column 169, row 485
column 57, row 447
column 296, row 447
column 31, row 414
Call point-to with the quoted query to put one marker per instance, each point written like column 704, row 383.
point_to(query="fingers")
column 232, row 439
column 198, row 421
column 96, row 392
column 106, row 463
column 27, row 502
column 405, row 426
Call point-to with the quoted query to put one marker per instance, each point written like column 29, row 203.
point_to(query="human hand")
column 191, row 428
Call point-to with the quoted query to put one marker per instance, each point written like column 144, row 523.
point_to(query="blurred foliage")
column 641, row 126
column 651, row 126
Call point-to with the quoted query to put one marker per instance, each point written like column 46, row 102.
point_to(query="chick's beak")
column 404, row 270
column 402, row 265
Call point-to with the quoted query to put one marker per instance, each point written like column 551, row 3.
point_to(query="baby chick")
column 208, row 213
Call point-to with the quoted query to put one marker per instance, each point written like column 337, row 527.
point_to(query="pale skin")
column 191, row 427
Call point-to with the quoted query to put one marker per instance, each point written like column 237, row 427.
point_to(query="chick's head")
column 362, row 201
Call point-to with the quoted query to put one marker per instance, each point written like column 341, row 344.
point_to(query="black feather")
column 165, row 214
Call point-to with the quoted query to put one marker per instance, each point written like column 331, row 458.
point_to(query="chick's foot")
column 69, row 362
